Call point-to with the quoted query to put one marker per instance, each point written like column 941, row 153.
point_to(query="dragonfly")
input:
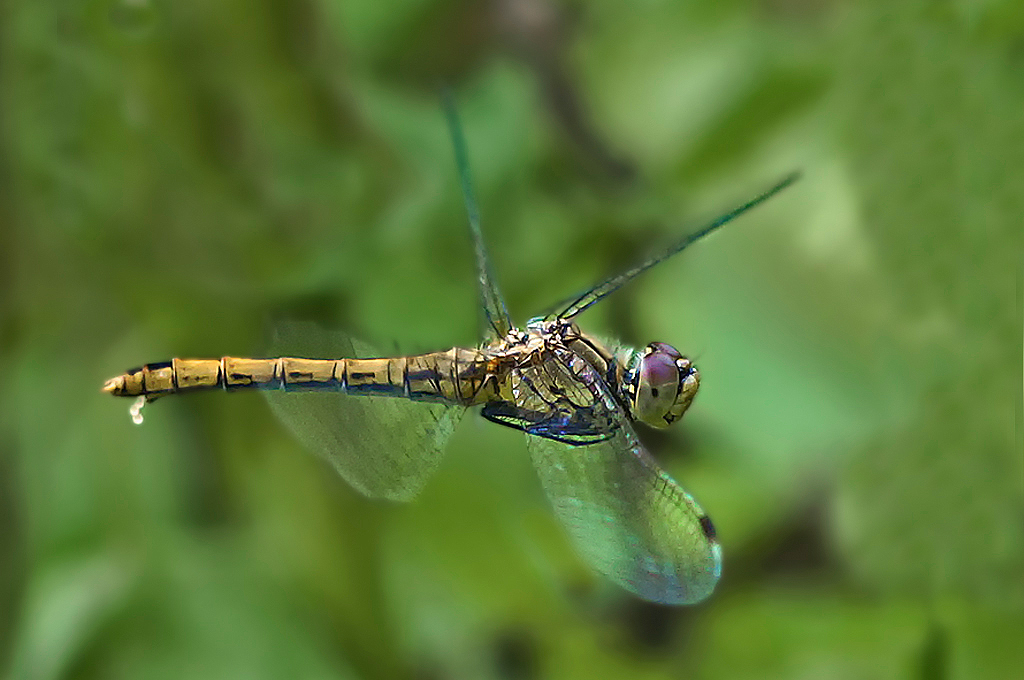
column 576, row 397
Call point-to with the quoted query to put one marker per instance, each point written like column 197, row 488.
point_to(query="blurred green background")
column 173, row 175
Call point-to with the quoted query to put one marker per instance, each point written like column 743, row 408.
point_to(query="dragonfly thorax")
column 657, row 385
column 660, row 385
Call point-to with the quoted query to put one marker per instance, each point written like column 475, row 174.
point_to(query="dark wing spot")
column 708, row 527
column 654, row 392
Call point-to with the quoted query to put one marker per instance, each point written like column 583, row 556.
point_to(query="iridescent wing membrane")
column 497, row 321
column 384, row 447
column 626, row 516
column 609, row 286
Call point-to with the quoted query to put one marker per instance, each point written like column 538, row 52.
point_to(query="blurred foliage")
column 173, row 175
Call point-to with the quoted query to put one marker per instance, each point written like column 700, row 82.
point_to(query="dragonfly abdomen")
column 457, row 375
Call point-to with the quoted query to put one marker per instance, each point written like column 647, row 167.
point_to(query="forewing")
column 385, row 447
column 496, row 317
column 627, row 517
column 605, row 288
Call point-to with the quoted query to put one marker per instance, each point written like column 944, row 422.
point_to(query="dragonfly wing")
column 495, row 312
column 385, row 447
column 605, row 288
column 627, row 517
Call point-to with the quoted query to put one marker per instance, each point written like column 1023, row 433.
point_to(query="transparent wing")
column 627, row 517
column 495, row 311
column 606, row 288
column 385, row 447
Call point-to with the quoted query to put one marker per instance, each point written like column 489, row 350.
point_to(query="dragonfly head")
column 662, row 385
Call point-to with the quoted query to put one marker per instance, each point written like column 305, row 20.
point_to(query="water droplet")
column 136, row 410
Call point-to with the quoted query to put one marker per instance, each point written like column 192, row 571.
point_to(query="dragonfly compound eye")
column 666, row 382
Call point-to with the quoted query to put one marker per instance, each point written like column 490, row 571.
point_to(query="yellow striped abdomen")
column 457, row 375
